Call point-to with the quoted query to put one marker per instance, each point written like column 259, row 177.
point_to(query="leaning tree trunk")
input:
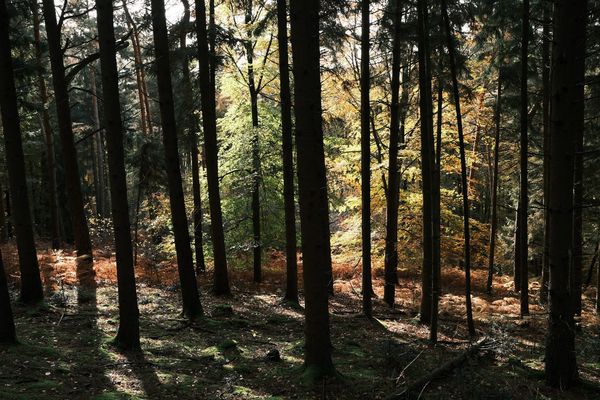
column 494, row 222
column 391, row 225
column 312, row 183
column 63, row 111
column 128, row 335
column 291, row 288
column 427, row 157
column 47, row 129
column 185, row 264
column 524, row 185
column 192, row 124
column 365, row 160
column 546, row 133
column 209, row 121
column 463, row 167
column 31, row 283
column 567, row 118
column 256, row 175
column 7, row 323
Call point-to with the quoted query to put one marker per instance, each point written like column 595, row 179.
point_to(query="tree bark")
column 209, row 121
column 546, row 133
column 365, row 159
column 427, row 157
column 256, row 174
column 185, row 264
column 31, row 283
column 98, row 150
column 3, row 231
column 524, row 154
column 567, row 117
column 47, row 129
column 291, row 288
column 436, row 216
column 463, row 167
column 494, row 222
column 63, row 110
column 312, row 183
column 192, row 124
column 7, row 323
column 128, row 336
column 391, row 226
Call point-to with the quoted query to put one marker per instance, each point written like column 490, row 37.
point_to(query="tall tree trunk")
column 97, row 150
column 577, row 263
column 145, row 115
column 47, row 129
column 31, row 284
column 391, row 226
column 436, row 216
column 212, row 43
column 463, row 167
column 209, row 121
column 312, row 183
column 494, row 222
column 567, row 118
column 365, row 159
column 524, row 153
column 427, row 157
column 128, row 335
column 588, row 280
column 517, row 252
column 3, row 231
column 546, row 132
column 256, row 176
column 7, row 323
column 63, row 110
column 291, row 288
column 185, row 264
column 193, row 124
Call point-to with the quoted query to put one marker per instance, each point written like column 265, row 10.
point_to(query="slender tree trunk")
column 97, row 150
column 524, row 153
column 291, row 288
column 546, row 132
column 391, row 226
column 365, row 159
column 185, row 264
column 567, row 118
column 588, row 280
column 427, row 157
column 3, row 232
column 63, row 110
column 7, row 323
column 9, row 230
column 145, row 114
column 128, row 336
column 436, row 217
column 209, row 121
column 463, row 165
column 312, row 183
column 212, row 43
column 517, row 252
column 47, row 129
column 193, row 124
column 494, row 223
column 256, row 176
column 31, row 284
column 577, row 263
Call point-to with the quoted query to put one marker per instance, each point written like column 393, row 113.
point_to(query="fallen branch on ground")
column 418, row 385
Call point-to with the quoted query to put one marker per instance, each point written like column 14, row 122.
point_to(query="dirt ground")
column 65, row 349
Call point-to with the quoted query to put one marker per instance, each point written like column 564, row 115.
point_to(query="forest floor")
column 65, row 349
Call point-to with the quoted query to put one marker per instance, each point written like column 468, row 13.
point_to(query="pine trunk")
column 436, row 217
column 209, row 121
column 63, row 111
column 312, row 182
column 128, row 335
column 291, row 289
column 31, row 283
column 463, row 167
column 185, row 264
column 567, row 118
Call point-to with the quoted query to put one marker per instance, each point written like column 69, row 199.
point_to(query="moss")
column 114, row 396
column 227, row 344
column 313, row 374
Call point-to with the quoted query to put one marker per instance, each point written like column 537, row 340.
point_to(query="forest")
column 303, row 199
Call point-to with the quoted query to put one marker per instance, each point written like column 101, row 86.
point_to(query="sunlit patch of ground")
column 66, row 353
